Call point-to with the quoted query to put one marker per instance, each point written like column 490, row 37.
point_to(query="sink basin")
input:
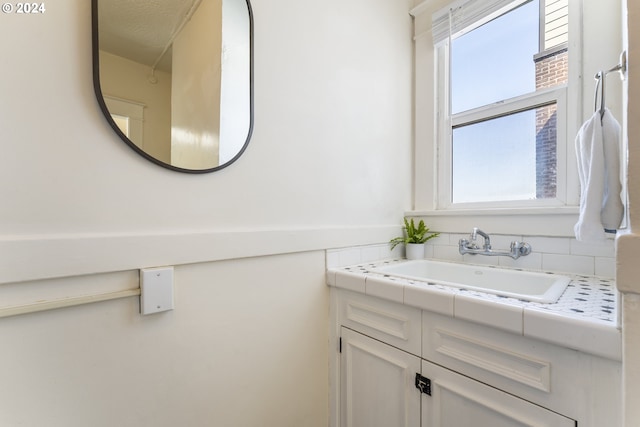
column 524, row 285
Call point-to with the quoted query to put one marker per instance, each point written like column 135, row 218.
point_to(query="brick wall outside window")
column 551, row 70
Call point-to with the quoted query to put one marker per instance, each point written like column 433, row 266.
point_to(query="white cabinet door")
column 458, row 401
column 377, row 384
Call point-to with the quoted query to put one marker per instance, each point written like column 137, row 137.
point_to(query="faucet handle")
column 468, row 244
column 520, row 248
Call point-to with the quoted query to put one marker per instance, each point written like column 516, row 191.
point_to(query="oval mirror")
column 174, row 78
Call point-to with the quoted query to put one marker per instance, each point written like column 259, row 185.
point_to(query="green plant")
column 413, row 234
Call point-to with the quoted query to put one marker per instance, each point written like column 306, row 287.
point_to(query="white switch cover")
column 156, row 286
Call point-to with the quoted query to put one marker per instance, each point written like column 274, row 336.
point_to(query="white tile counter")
column 584, row 318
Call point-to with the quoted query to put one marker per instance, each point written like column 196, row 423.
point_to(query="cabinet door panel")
column 390, row 322
column 377, row 384
column 460, row 401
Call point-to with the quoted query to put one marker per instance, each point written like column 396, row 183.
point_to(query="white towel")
column 598, row 154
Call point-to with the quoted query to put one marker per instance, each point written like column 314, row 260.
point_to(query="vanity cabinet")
column 376, row 383
column 456, row 401
column 378, row 389
column 404, row 367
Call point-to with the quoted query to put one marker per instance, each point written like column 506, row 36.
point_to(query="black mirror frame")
column 103, row 106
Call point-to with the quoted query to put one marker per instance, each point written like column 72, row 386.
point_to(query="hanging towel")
column 598, row 154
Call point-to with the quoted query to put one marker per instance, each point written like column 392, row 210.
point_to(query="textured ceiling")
column 140, row 29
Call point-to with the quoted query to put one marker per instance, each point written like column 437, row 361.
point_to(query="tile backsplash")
column 555, row 254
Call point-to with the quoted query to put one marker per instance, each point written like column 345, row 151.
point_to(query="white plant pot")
column 415, row 250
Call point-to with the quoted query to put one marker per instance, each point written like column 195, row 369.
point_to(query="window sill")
column 546, row 221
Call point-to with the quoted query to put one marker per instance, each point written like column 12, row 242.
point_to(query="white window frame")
column 552, row 218
column 557, row 95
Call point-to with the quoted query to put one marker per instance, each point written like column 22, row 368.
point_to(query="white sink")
column 524, row 285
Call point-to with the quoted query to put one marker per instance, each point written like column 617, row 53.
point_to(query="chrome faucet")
column 469, row 246
column 487, row 240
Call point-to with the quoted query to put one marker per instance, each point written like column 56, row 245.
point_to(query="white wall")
column 628, row 245
column 245, row 346
column 195, row 101
column 327, row 166
column 330, row 148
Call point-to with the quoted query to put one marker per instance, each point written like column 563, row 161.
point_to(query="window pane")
column 496, row 61
column 511, row 157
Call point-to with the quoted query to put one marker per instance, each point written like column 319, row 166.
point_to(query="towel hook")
column 600, row 82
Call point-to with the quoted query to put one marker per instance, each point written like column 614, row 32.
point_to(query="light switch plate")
column 156, row 290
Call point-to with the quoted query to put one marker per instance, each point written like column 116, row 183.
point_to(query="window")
column 502, row 74
column 587, row 36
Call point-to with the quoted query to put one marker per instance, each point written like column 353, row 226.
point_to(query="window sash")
column 508, row 106
column 445, row 125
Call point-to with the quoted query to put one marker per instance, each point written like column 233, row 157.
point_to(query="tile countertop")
column 584, row 318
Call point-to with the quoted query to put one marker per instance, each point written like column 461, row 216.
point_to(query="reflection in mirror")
column 174, row 78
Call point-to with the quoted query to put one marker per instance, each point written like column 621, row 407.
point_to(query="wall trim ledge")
column 26, row 258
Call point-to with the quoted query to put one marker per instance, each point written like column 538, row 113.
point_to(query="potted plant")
column 413, row 239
